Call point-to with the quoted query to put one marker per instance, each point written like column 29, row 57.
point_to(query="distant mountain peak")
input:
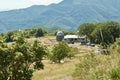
column 68, row 14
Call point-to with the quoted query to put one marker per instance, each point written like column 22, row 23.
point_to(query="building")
column 59, row 36
column 75, row 38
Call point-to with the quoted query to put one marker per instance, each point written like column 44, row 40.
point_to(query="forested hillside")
column 67, row 15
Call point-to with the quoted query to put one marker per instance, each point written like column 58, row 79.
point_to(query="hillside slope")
column 67, row 15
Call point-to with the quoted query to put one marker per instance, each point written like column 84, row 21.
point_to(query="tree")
column 60, row 51
column 86, row 29
column 106, row 33
column 9, row 37
column 20, row 60
column 39, row 32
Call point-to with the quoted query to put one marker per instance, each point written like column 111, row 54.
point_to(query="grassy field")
column 61, row 71
column 55, row 71
column 91, row 66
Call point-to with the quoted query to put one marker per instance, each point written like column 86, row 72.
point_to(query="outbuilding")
column 59, row 36
column 75, row 38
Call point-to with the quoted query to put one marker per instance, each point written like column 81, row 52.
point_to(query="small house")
column 75, row 38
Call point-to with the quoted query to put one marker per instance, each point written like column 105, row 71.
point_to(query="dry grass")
column 59, row 71
column 49, row 41
column 55, row 71
column 100, row 67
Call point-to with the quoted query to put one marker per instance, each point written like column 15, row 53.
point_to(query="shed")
column 75, row 38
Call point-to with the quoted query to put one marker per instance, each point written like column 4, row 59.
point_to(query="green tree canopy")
column 9, row 37
column 86, row 29
column 18, row 61
column 60, row 51
column 106, row 33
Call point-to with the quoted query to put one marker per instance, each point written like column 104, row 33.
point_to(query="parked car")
column 90, row 44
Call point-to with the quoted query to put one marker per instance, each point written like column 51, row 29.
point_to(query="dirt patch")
column 50, row 41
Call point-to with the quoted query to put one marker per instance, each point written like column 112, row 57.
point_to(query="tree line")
column 104, row 33
column 27, row 33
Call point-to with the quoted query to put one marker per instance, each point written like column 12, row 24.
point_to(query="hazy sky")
column 16, row 4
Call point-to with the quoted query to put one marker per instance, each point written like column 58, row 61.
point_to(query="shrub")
column 60, row 51
column 115, row 74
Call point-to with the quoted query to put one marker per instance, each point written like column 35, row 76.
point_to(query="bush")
column 115, row 74
column 84, row 66
column 9, row 37
column 88, row 69
column 115, row 48
column 59, row 52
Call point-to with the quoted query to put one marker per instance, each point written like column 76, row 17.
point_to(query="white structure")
column 75, row 38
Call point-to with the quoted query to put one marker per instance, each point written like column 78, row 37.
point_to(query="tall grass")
column 98, row 67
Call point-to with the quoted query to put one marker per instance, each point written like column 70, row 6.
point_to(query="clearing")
column 61, row 71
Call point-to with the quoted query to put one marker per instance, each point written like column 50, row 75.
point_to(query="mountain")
column 68, row 14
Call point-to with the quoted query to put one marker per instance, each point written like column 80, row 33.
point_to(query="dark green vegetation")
column 18, row 61
column 115, row 74
column 27, row 33
column 66, row 15
column 60, row 52
column 101, row 33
